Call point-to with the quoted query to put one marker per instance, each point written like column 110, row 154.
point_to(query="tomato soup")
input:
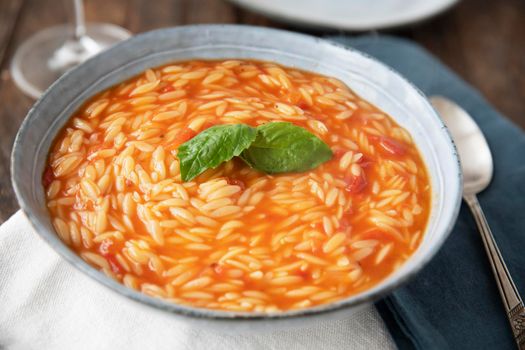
column 234, row 238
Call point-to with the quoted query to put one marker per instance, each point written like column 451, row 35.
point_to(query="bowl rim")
column 361, row 298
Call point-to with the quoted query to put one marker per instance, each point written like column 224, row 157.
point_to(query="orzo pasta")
column 234, row 238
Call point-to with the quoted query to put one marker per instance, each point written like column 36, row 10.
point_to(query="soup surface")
column 234, row 238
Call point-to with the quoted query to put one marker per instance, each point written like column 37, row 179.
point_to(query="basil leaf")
column 283, row 147
column 212, row 147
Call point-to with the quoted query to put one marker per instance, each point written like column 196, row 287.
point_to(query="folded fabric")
column 46, row 304
column 454, row 302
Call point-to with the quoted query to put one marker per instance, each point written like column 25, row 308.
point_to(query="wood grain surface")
column 482, row 40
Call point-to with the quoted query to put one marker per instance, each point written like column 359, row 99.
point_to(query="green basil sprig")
column 212, row 147
column 277, row 147
column 282, row 147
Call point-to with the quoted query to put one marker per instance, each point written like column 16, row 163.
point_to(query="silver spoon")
column 476, row 162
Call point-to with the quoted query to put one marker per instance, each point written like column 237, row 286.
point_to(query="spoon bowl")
column 474, row 152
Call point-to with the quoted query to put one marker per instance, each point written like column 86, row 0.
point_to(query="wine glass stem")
column 80, row 20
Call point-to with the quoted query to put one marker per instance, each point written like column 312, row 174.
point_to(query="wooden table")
column 482, row 40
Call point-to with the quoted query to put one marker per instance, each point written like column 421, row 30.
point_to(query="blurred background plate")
column 348, row 14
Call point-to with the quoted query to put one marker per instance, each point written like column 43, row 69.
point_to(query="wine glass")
column 46, row 55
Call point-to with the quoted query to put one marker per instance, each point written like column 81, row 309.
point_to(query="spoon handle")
column 507, row 289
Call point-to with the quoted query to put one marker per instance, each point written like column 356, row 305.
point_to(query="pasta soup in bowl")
column 234, row 180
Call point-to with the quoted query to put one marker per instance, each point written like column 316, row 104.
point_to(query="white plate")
column 348, row 14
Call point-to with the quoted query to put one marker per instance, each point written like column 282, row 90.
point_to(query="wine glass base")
column 45, row 56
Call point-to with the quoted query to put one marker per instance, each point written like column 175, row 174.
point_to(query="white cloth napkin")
column 47, row 304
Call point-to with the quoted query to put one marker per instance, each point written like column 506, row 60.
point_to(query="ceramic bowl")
column 371, row 79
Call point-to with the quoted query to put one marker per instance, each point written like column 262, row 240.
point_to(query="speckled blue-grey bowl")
column 371, row 79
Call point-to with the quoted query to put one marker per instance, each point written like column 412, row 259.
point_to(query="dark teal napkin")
column 454, row 302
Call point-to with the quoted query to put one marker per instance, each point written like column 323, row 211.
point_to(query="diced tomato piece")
column 303, row 105
column 356, row 184
column 365, row 162
column 338, row 153
column 217, row 268
column 376, row 234
column 184, row 135
column 208, row 125
column 167, row 88
column 304, row 274
column 105, row 247
column 48, row 176
column 317, row 225
column 392, row 146
column 114, row 264
column 344, row 223
column 236, row 182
